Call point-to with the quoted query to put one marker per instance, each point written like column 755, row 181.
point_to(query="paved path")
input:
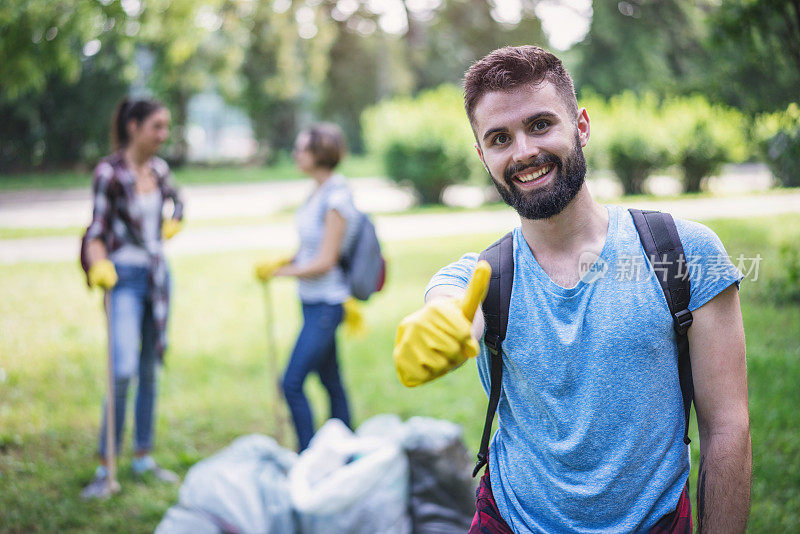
column 393, row 227
column 71, row 208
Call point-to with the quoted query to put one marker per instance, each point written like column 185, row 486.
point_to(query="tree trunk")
column 180, row 150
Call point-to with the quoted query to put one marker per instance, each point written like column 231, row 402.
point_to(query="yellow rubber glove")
column 266, row 269
column 170, row 227
column 437, row 338
column 354, row 324
column 102, row 274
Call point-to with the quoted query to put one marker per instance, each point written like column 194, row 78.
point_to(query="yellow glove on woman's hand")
column 266, row 269
column 354, row 324
column 102, row 274
column 169, row 228
column 438, row 337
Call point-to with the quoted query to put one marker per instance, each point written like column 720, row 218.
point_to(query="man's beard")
column 551, row 199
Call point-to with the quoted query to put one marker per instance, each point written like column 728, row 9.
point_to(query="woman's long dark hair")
column 127, row 110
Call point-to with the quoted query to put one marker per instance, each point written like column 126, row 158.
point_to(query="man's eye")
column 540, row 125
column 501, row 139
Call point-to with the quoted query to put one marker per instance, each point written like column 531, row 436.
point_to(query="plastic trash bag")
column 350, row 484
column 442, row 497
column 241, row 489
column 442, row 490
column 180, row 520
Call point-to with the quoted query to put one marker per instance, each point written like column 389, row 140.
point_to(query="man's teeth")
column 535, row 174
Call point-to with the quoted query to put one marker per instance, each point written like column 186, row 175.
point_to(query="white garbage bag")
column 349, row 484
column 180, row 520
column 242, row 489
column 384, row 426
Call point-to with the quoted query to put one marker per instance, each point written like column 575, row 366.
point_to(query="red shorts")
column 487, row 518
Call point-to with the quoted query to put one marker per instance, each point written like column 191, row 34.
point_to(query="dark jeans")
column 315, row 351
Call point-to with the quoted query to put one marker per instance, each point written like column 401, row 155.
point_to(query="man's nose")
column 525, row 148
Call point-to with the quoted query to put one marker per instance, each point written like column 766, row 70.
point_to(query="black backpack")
column 661, row 244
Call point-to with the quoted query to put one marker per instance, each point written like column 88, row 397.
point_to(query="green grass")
column 354, row 166
column 19, row 233
column 216, row 384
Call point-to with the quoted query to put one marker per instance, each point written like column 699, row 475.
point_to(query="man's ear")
column 480, row 156
column 583, row 126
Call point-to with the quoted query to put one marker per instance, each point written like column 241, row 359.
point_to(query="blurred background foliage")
column 425, row 141
column 779, row 144
column 689, row 84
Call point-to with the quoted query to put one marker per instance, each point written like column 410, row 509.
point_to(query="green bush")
column 627, row 136
column 425, row 141
column 427, row 168
column 700, row 158
column 633, row 158
column 702, row 137
column 636, row 135
column 778, row 137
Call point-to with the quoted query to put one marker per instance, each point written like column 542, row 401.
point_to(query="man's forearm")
column 723, row 483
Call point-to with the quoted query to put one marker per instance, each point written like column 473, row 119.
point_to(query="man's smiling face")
column 531, row 145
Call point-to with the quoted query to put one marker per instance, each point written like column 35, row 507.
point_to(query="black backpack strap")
column 500, row 256
column 664, row 249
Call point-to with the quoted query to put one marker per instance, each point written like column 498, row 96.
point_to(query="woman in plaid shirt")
column 122, row 253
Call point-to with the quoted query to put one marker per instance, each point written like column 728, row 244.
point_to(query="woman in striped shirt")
column 325, row 225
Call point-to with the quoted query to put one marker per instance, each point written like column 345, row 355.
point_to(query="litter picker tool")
column 272, row 361
column 111, row 445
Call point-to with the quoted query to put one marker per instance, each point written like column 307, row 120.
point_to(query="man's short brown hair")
column 326, row 143
column 511, row 67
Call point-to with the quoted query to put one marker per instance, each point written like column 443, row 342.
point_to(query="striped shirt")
column 334, row 194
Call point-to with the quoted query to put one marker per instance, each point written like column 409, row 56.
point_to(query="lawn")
column 216, row 384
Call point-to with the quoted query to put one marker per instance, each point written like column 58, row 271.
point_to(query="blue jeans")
column 133, row 341
column 315, row 351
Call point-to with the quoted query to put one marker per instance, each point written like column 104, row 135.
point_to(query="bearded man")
column 591, row 417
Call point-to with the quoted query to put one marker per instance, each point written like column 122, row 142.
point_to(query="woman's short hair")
column 326, row 144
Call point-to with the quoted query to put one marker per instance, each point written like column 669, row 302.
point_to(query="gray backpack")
column 362, row 262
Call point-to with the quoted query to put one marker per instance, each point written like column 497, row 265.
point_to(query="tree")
column 190, row 53
column 442, row 45
column 64, row 66
column 42, row 39
column 76, row 116
column 353, row 75
column 757, row 48
column 644, row 46
column 370, row 60
column 272, row 77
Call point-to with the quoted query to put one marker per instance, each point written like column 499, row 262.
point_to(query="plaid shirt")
column 116, row 222
column 487, row 519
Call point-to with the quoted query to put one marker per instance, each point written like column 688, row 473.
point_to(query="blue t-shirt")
column 590, row 418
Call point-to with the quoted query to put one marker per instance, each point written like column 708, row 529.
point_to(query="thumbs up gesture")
column 437, row 338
